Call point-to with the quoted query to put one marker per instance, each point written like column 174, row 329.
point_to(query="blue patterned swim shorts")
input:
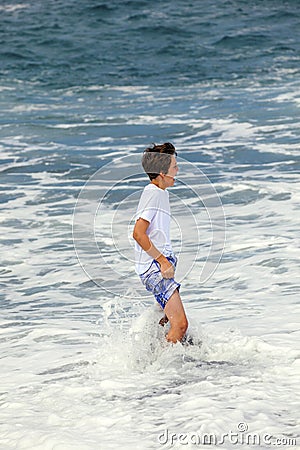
column 161, row 288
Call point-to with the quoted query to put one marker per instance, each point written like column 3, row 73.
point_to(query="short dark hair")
column 157, row 159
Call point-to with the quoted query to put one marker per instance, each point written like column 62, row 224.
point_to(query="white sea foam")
column 14, row 7
column 97, row 386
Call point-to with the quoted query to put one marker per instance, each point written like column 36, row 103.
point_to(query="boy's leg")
column 175, row 313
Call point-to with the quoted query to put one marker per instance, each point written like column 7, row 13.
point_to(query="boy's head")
column 157, row 159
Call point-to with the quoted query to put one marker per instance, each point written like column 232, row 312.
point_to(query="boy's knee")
column 185, row 325
column 182, row 325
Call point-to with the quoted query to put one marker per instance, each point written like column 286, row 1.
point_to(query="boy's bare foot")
column 163, row 321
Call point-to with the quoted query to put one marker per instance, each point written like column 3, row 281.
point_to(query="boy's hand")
column 166, row 268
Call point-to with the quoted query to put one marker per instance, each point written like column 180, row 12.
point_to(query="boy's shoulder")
column 151, row 191
column 155, row 190
column 153, row 194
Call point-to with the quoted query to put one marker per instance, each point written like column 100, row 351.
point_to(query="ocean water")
column 85, row 87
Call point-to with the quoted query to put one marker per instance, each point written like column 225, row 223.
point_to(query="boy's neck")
column 157, row 184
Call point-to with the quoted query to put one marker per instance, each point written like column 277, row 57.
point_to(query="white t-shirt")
column 154, row 206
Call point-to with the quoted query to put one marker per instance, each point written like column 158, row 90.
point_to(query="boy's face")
column 169, row 177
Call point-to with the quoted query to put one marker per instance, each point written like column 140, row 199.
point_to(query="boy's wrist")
column 160, row 258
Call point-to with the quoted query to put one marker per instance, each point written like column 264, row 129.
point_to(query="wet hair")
column 157, row 159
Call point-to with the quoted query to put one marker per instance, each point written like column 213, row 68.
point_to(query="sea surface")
column 85, row 86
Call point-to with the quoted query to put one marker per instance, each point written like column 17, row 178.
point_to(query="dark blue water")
column 60, row 44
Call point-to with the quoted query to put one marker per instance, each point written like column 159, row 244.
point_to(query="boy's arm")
column 141, row 237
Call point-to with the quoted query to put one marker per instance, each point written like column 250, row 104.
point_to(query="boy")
column 155, row 259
